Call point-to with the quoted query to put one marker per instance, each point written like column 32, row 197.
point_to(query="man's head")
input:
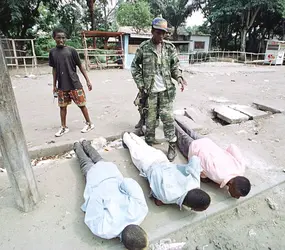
column 134, row 238
column 159, row 29
column 59, row 35
column 239, row 187
column 197, row 200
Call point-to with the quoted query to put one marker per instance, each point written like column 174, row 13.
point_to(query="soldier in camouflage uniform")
column 155, row 64
column 140, row 102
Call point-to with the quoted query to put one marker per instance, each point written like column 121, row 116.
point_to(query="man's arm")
column 84, row 73
column 174, row 64
column 54, row 80
column 80, row 66
column 176, row 73
column 133, row 189
column 136, row 69
column 52, row 64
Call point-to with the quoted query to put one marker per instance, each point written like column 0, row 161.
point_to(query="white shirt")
column 158, row 85
column 169, row 182
column 112, row 202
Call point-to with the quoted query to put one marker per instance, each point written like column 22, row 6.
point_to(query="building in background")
column 185, row 44
column 274, row 52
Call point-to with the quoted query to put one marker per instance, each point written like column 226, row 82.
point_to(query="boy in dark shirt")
column 63, row 61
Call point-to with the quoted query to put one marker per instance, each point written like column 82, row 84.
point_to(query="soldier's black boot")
column 171, row 154
column 140, row 123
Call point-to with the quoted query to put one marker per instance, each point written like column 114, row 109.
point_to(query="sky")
column 197, row 18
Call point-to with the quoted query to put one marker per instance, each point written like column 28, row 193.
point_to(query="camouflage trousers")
column 159, row 103
column 141, row 102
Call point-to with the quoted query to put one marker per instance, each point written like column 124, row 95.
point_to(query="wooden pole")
column 25, row 65
column 13, row 144
column 15, row 53
column 85, row 52
column 34, row 54
column 122, row 52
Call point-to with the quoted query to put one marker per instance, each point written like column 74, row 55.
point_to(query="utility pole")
column 13, row 144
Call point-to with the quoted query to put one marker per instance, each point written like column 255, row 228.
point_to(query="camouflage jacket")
column 144, row 66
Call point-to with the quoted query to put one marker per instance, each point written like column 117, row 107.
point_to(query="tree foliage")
column 17, row 18
column 239, row 19
column 174, row 11
column 233, row 24
column 136, row 14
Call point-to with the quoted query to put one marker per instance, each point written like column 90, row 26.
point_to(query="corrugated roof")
column 98, row 33
column 131, row 30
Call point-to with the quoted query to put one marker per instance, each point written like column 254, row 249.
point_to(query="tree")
column 243, row 12
column 90, row 4
column 174, row 11
column 17, row 18
column 108, row 12
column 135, row 14
column 69, row 16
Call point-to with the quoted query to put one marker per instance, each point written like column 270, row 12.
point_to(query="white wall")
column 197, row 38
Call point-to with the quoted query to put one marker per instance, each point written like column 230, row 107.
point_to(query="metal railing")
column 226, row 56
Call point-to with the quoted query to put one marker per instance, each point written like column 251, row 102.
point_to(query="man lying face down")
column 225, row 167
column 114, row 206
column 169, row 183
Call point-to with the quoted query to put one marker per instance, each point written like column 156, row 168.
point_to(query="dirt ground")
column 252, row 225
column 111, row 101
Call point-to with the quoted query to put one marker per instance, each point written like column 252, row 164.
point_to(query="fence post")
column 34, row 53
column 15, row 53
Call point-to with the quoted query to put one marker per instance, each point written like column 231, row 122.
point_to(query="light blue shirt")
column 170, row 183
column 112, row 202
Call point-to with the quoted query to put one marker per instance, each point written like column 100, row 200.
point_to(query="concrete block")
column 249, row 111
column 199, row 117
column 270, row 106
column 187, row 122
column 229, row 115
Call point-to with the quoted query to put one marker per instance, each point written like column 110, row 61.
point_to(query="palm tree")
column 175, row 11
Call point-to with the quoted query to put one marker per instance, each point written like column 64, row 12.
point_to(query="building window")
column 199, row 45
column 273, row 47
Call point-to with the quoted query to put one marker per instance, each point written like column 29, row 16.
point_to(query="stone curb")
column 59, row 148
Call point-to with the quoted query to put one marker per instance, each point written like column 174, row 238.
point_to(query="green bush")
column 44, row 44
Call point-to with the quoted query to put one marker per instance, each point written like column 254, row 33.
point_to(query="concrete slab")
column 199, row 117
column 190, row 123
column 58, row 222
column 270, row 106
column 249, row 111
column 229, row 115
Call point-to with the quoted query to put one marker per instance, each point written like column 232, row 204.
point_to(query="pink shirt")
column 218, row 165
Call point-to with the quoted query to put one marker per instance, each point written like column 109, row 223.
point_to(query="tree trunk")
column 175, row 34
column 236, row 35
column 90, row 4
column 283, row 29
column 13, row 144
column 243, row 40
